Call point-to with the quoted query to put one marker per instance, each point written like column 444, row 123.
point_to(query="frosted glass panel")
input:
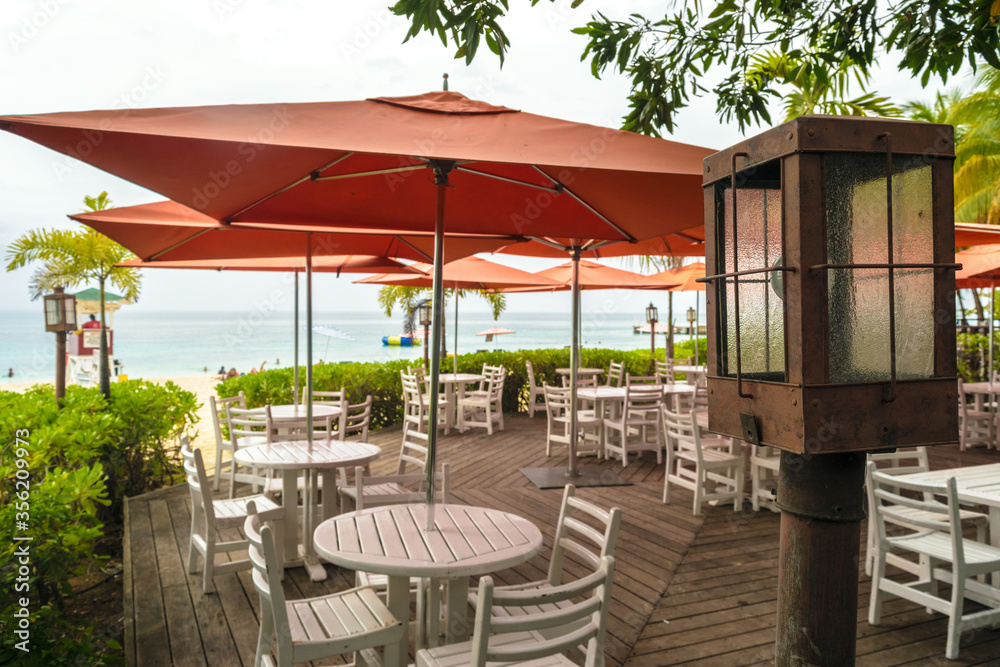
column 762, row 321
column 857, row 233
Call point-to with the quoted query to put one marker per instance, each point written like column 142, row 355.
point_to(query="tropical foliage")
column 64, row 474
column 668, row 57
column 69, row 258
column 977, row 163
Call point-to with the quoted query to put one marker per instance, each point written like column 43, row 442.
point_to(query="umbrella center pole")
column 574, row 362
column 441, row 171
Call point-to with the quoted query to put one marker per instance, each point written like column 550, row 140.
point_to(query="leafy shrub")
column 381, row 380
column 65, row 474
column 972, row 352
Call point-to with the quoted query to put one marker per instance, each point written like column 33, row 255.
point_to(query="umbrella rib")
column 569, row 191
column 558, row 188
column 291, row 185
column 315, row 177
column 414, row 249
column 159, row 254
column 688, row 237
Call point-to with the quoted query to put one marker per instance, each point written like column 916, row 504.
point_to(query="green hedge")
column 381, row 380
column 972, row 352
column 65, row 474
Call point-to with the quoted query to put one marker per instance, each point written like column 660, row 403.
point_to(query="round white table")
column 581, row 372
column 299, row 411
column 391, row 540
column 449, row 380
column 292, row 457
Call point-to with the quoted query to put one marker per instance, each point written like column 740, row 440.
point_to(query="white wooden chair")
column 903, row 461
column 534, row 391
column 558, row 404
column 220, row 415
column 247, row 428
column 540, row 638
column 487, row 404
column 405, row 486
column 639, row 416
column 975, row 427
column 616, row 371
column 693, row 465
column 218, row 515
column 936, row 539
column 355, row 420
column 764, row 464
column 584, row 533
column 416, row 404
column 334, row 398
column 352, row 621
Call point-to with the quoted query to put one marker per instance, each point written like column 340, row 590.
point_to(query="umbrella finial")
column 445, row 75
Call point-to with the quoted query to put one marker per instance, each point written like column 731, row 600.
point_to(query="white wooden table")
column 291, row 458
column 581, row 372
column 299, row 411
column 391, row 540
column 978, row 485
column 618, row 393
column 687, row 368
column 449, row 380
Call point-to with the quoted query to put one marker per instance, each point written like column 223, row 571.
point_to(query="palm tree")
column 73, row 257
column 977, row 154
column 816, row 88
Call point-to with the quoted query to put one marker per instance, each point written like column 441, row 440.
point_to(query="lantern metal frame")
column 652, row 314
column 805, row 412
column 64, row 304
column 424, row 314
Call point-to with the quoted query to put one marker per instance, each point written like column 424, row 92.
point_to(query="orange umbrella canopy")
column 168, row 231
column 323, row 263
column 685, row 278
column 369, row 164
column 980, row 266
column 592, row 276
column 465, row 273
column 973, row 234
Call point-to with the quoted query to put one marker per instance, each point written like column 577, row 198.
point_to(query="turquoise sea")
column 162, row 344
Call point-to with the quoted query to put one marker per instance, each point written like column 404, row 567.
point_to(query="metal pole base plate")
column 557, row 478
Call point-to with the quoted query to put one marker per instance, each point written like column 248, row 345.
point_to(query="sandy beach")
column 203, row 386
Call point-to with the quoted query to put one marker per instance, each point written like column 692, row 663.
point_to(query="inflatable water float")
column 403, row 341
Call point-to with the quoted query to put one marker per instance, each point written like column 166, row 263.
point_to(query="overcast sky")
column 68, row 55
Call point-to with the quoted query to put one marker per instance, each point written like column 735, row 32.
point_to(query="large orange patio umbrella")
column 393, row 163
column 466, row 273
column 980, row 268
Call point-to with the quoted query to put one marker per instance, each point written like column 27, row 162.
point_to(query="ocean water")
column 162, row 344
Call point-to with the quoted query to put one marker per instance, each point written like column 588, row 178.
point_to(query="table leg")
column 309, row 558
column 449, row 408
column 457, row 629
column 329, row 494
column 398, row 602
column 994, row 529
column 289, row 501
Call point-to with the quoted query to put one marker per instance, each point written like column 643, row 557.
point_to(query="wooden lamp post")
column 60, row 318
column 830, row 255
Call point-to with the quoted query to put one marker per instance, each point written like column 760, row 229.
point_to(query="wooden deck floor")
column 688, row 590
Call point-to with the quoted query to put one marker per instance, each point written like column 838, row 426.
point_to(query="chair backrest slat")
column 590, row 596
column 599, row 541
column 197, row 480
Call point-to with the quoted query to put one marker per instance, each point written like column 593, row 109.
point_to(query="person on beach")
column 232, row 373
column 92, row 323
column 10, row 373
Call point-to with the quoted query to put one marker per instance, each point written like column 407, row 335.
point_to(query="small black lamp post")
column 60, row 318
column 652, row 316
column 692, row 316
column 424, row 314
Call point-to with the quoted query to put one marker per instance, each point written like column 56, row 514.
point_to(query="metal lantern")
column 829, row 248
column 424, row 313
column 691, row 316
column 60, row 311
column 829, row 253
column 652, row 315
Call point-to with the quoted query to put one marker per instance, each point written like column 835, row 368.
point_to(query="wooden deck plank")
column 688, row 590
